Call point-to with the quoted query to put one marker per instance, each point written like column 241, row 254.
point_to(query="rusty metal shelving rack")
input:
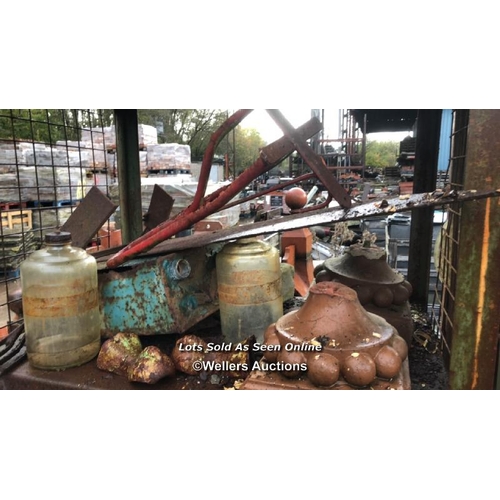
column 350, row 156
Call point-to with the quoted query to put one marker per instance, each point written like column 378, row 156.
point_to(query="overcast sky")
column 269, row 131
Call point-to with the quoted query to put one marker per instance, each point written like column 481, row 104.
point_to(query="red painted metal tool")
column 201, row 207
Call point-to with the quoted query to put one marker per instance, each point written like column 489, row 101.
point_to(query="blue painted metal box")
column 159, row 295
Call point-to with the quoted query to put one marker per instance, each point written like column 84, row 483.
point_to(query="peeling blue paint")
column 160, row 295
column 133, row 301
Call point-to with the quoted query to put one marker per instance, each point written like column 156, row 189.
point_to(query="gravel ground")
column 427, row 368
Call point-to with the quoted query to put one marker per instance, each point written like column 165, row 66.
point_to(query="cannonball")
column 186, row 351
column 365, row 293
column 292, row 360
column 271, row 338
column 323, row 369
column 401, row 294
column 399, row 344
column 296, row 198
column 383, row 297
column 359, row 369
column 387, row 362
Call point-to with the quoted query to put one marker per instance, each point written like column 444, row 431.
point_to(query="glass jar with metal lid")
column 60, row 304
column 249, row 286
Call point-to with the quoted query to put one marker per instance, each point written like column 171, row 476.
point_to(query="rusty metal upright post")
column 474, row 346
column 129, row 174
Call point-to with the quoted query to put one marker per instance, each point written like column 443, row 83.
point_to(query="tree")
column 195, row 127
column 50, row 125
column 181, row 126
column 248, row 144
column 185, row 126
column 381, row 154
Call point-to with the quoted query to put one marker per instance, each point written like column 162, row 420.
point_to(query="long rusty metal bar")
column 322, row 217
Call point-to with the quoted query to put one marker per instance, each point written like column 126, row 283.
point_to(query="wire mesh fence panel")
column 446, row 254
column 49, row 160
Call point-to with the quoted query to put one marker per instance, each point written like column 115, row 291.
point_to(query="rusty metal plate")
column 89, row 216
column 159, row 209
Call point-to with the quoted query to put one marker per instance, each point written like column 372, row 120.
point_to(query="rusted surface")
column 474, row 345
column 159, row 209
column 60, row 306
column 250, row 288
column 168, row 294
column 322, row 217
column 88, row 217
column 208, row 225
column 301, row 242
column 301, row 239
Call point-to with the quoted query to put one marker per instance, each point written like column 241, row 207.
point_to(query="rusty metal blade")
column 89, row 216
column 320, row 217
column 314, row 161
column 159, row 209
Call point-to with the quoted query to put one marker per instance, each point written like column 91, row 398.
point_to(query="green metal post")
column 474, row 346
column 129, row 174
